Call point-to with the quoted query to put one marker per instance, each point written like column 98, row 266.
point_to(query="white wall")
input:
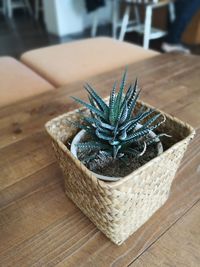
column 64, row 17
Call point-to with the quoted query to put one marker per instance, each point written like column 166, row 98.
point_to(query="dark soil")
column 101, row 163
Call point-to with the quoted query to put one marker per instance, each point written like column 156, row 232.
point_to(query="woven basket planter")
column 119, row 208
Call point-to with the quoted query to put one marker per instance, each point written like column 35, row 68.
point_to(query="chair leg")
column 94, row 24
column 137, row 14
column 37, row 9
column 9, row 8
column 4, row 7
column 147, row 27
column 115, row 17
column 172, row 14
column 125, row 21
column 28, row 5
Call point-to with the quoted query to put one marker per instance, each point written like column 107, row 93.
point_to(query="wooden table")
column 40, row 226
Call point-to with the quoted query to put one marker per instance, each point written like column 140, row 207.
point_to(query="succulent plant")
column 114, row 126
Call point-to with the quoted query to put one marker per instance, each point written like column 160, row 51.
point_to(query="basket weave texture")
column 119, row 208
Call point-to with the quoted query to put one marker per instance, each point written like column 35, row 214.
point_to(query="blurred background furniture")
column 136, row 25
column 115, row 23
column 146, row 29
column 11, row 5
column 38, row 6
column 67, row 20
column 54, row 66
column 66, row 63
column 19, row 82
column 3, row 6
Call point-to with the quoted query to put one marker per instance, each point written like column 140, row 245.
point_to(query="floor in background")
column 23, row 33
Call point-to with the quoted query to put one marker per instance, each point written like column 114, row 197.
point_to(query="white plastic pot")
column 81, row 134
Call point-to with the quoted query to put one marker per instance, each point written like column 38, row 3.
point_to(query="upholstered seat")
column 18, row 82
column 66, row 63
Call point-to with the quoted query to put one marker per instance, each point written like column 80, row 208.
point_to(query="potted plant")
column 117, row 169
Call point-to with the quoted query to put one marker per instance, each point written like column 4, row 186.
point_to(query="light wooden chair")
column 146, row 29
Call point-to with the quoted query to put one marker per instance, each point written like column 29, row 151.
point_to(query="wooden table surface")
column 40, row 226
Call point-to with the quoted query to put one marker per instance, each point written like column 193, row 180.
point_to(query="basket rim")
column 191, row 134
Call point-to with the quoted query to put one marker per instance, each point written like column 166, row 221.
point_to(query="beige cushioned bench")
column 66, row 63
column 18, row 82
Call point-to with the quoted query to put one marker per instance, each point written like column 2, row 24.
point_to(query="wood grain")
column 182, row 239
column 24, row 158
column 39, row 225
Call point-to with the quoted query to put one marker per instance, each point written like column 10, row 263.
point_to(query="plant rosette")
column 80, row 135
column 117, row 132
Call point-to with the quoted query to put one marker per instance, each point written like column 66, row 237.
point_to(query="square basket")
column 119, row 208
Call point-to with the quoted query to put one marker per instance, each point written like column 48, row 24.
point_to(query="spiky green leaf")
column 137, row 134
column 103, row 136
column 138, row 119
column 112, row 104
column 132, row 104
column 124, row 113
column 88, row 129
column 99, row 101
column 90, row 107
column 150, row 121
column 123, row 135
column 92, row 145
column 119, row 98
column 103, row 130
column 158, row 124
column 132, row 91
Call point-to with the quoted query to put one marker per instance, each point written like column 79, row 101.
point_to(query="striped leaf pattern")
column 114, row 126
